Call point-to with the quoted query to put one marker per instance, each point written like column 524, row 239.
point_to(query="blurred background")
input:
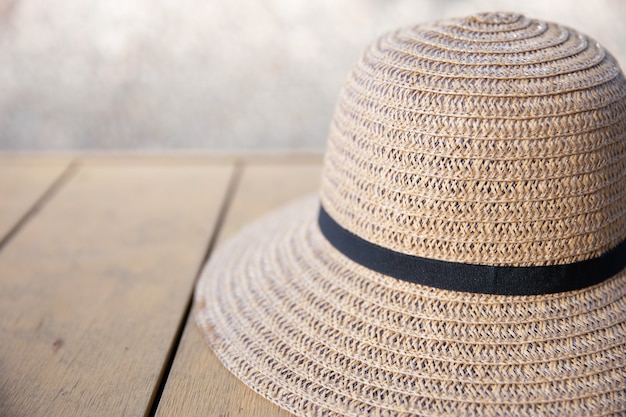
column 210, row 75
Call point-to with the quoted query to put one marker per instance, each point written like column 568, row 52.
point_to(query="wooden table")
column 98, row 259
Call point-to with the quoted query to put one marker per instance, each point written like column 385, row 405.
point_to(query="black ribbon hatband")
column 484, row 279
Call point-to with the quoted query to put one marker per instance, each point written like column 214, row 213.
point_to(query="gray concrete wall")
column 228, row 75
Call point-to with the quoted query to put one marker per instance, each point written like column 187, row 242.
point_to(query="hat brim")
column 318, row 334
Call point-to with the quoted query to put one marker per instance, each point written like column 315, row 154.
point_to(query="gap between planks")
column 39, row 203
column 171, row 354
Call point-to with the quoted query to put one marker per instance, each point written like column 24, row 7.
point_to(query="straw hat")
column 466, row 252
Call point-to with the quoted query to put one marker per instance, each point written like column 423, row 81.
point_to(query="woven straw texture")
column 493, row 139
column 320, row 335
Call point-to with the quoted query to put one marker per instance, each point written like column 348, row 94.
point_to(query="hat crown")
column 493, row 139
column 498, row 18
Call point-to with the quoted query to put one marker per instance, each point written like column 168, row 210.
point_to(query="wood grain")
column 198, row 384
column 22, row 182
column 93, row 288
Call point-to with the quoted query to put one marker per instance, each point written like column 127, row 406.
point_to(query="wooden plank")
column 196, row 157
column 198, row 384
column 94, row 288
column 23, row 180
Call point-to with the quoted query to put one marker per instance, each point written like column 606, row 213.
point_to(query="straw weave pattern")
column 319, row 335
column 493, row 139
